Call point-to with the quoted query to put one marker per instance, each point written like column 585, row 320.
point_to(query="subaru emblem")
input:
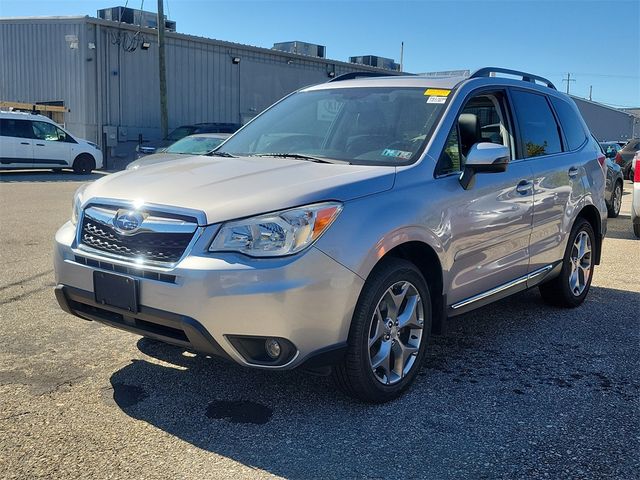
column 127, row 222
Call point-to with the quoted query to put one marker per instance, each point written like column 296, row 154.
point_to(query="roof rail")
column 526, row 77
column 353, row 75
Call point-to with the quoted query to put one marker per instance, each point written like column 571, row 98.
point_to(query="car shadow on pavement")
column 501, row 378
column 17, row 176
column 620, row 228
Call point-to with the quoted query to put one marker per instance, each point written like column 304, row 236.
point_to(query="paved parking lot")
column 516, row 389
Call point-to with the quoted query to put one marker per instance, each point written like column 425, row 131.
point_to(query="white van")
column 35, row 141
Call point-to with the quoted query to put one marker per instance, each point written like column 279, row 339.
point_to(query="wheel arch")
column 424, row 256
column 591, row 214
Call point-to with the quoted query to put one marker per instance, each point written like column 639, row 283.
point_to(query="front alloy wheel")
column 388, row 335
column 396, row 333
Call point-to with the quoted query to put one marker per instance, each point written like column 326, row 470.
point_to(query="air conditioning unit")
column 132, row 16
column 376, row 61
column 301, row 48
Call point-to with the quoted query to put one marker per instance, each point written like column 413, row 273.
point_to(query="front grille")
column 154, row 246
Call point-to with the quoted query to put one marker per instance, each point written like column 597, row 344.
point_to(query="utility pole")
column 568, row 80
column 164, row 113
column 590, row 91
column 402, row 57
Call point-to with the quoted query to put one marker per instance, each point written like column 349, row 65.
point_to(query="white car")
column 635, row 199
column 34, row 141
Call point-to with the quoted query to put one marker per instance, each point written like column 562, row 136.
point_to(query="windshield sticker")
column 438, row 92
column 436, row 99
column 397, row 153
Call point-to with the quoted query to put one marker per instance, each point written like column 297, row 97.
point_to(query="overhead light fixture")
column 331, row 74
column 235, row 60
column 145, row 45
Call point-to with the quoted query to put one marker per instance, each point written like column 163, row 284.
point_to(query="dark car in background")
column 199, row 144
column 148, row 147
column 614, row 179
column 625, row 155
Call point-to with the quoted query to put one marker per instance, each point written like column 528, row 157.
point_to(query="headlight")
column 76, row 203
column 276, row 234
column 94, row 145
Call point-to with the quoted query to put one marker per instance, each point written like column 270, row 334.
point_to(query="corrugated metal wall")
column 36, row 64
column 104, row 85
column 604, row 122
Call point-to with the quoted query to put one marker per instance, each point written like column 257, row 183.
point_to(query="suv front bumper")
column 208, row 300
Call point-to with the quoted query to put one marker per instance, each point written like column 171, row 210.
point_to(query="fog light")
column 272, row 347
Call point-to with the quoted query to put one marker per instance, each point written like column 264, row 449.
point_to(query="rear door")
column 557, row 173
column 50, row 146
column 16, row 143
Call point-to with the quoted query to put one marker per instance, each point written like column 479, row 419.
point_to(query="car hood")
column 153, row 159
column 229, row 188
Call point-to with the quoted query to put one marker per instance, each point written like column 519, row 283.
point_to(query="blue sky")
column 597, row 41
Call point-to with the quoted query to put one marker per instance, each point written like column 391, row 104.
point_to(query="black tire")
column 83, row 164
column 613, row 209
column 558, row 292
column 627, row 172
column 355, row 375
column 636, row 229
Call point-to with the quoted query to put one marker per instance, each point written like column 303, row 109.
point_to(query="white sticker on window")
column 434, row 99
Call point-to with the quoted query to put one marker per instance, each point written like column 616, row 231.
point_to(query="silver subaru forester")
column 344, row 225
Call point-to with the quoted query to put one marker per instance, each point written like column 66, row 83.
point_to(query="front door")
column 491, row 221
column 50, row 147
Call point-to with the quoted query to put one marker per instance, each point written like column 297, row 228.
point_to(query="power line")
column 568, row 80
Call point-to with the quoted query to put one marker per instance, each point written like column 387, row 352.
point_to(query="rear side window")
column 538, row 127
column 15, row 128
column 571, row 124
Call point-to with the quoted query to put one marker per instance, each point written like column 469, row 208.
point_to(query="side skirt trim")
column 530, row 277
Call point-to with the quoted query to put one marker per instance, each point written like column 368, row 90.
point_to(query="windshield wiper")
column 300, row 156
column 217, row 153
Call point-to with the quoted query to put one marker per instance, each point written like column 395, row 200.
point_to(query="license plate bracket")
column 118, row 291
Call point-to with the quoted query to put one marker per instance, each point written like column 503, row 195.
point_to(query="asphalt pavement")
column 516, row 389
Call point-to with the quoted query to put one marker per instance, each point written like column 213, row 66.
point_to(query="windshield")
column 194, row 145
column 366, row 126
column 180, row 132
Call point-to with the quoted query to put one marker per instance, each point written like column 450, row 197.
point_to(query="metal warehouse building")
column 106, row 74
column 608, row 123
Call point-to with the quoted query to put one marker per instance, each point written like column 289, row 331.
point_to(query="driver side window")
column 482, row 119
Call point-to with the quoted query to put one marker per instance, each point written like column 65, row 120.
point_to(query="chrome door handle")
column 573, row 172
column 524, row 187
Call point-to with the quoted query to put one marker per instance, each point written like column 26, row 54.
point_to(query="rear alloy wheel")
column 613, row 209
column 83, row 164
column 389, row 333
column 570, row 288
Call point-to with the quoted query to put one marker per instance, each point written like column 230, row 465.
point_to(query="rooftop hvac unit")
column 301, row 48
column 376, row 61
column 135, row 17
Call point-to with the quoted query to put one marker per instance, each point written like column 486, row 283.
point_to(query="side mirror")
column 484, row 157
